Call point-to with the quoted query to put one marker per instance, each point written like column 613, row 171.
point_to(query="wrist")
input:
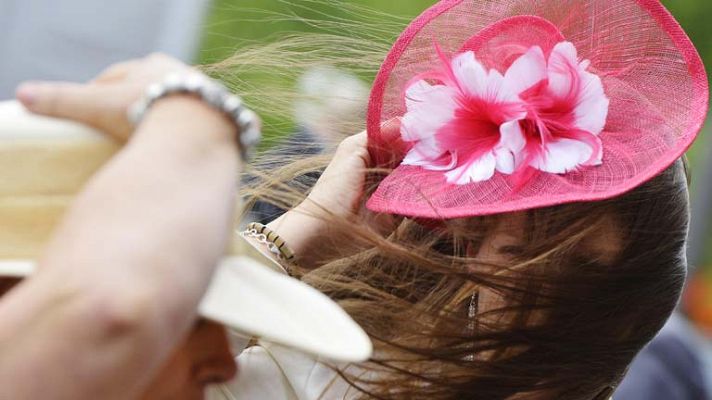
column 187, row 115
column 211, row 94
column 300, row 228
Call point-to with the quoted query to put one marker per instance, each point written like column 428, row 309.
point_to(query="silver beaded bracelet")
column 212, row 93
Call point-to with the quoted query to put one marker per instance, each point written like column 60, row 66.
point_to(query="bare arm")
column 119, row 284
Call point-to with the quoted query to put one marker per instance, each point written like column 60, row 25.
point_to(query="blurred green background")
column 237, row 22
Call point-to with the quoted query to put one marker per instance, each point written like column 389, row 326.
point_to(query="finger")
column 361, row 144
column 116, row 72
column 361, row 138
column 89, row 104
column 356, row 142
column 354, row 146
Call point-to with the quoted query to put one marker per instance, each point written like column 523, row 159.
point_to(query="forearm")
column 149, row 217
column 120, row 281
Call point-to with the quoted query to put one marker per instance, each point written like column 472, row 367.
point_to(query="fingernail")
column 28, row 93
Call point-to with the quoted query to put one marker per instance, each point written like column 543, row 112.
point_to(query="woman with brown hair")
column 513, row 225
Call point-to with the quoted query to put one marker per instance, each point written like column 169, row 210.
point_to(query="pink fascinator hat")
column 508, row 105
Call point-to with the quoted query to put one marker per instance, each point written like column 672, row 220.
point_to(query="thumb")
column 88, row 104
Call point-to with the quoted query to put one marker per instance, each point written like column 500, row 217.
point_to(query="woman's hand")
column 340, row 188
column 102, row 103
column 338, row 194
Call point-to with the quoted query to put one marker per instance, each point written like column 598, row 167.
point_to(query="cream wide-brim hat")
column 44, row 162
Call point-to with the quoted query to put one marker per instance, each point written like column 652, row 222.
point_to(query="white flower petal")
column 591, row 104
column 479, row 170
column 424, row 152
column 470, row 74
column 563, row 66
column 477, row 82
column 511, row 144
column 506, row 163
column 424, row 97
column 458, row 176
column 527, row 70
column 498, row 91
column 592, row 108
column 598, row 160
column 512, row 137
column 429, row 108
column 562, row 156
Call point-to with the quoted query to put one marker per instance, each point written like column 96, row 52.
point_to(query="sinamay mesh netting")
column 650, row 71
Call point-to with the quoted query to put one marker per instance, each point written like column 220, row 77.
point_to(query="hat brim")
column 257, row 301
column 637, row 49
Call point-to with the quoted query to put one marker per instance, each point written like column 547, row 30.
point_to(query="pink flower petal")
column 446, row 162
column 597, row 159
column 478, row 170
column 562, row 156
column 527, row 71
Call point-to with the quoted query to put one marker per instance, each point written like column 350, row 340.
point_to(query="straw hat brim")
column 257, row 301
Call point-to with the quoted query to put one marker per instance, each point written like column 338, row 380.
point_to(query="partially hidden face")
column 603, row 244
column 202, row 359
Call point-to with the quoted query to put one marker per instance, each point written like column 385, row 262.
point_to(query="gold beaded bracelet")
column 271, row 239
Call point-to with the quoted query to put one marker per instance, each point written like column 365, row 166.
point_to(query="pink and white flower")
column 455, row 126
column 473, row 122
column 567, row 109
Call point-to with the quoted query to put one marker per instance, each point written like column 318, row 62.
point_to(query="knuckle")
column 352, row 144
column 350, row 141
column 343, row 146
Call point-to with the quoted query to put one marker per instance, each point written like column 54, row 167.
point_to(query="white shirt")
column 269, row 371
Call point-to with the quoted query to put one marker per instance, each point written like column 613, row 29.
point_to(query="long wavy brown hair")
column 577, row 295
column 560, row 312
